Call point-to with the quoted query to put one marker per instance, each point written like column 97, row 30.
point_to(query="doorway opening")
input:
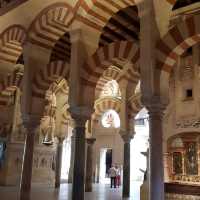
column 139, row 148
column 66, row 156
column 105, row 164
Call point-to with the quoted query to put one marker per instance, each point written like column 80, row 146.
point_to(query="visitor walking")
column 113, row 174
column 118, row 176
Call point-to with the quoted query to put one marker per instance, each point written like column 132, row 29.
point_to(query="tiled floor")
column 101, row 192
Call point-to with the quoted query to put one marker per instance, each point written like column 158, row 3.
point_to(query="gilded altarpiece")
column 177, row 163
column 184, row 158
column 191, row 161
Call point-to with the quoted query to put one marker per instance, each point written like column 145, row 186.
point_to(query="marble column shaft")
column 126, row 166
column 71, row 159
column 25, row 185
column 89, row 165
column 78, row 184
column 59, row 150
column 156, row 174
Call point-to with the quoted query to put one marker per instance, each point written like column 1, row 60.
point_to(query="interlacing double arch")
column 9, row 84
column 48, row 75
column 105, row 104
column 100, row 11
column 186, row 34
column 11, row 42
column 106, row 56
column 134, row 105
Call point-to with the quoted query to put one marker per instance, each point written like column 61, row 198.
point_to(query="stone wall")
column 43, row 165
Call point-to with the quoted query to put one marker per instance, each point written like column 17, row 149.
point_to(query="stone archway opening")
column 139, row 148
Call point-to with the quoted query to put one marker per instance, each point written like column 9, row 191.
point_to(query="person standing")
column 118, row 176
column 113, row 174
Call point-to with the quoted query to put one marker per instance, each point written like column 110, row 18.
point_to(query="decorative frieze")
column 181, row 197
column 188, row 123
column 186, row 178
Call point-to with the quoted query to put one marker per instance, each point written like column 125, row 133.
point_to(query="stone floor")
column 101, row 192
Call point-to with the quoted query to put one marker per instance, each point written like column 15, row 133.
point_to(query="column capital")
column 80, row 114
column 31, row 121
column 75, row 35
column 90, row 141
column 127, row 138
column 155, row 106
column 60, row 139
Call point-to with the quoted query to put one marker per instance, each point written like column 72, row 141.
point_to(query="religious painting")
column 177, row 163
column 191, row 160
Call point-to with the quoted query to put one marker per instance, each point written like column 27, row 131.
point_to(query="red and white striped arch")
column 45, row 77
column 51, row 24
column 177, row 41
column 179, row 38
column 172, row 2
column 112, row 73
column 9, row 84
column 96, row 13
column 65, row 117
column 13, row 80
column 135, row 105
column 11, row 41
column 102, row 105
column 104, row 58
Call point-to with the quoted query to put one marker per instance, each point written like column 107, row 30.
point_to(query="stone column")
column 31, row 123
column 71, row 159
column 126, row 166
column 156, row 175
column 59, row 150
column 80, row 115
column 89, row 165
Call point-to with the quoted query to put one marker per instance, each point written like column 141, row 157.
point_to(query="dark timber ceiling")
column 183, row 3
column 124, row 25
column 62, row 49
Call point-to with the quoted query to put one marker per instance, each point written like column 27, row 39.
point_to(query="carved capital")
column 80, row 115
column 75, row 35
column 60, row 140
column 127, row 138
column 90, row 141
column 155, row 107
column 30, row 121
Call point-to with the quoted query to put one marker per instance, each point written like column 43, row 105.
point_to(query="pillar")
column 156, row 176
column 59, row 150
column 26, row 176
column 89, row 165
column 80, row 115
column 71, row 159
column 78, row 184
column 126, row 166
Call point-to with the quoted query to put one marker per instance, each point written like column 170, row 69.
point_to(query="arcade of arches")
column 74, row 74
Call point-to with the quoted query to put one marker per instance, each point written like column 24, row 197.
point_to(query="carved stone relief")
column 188, row 123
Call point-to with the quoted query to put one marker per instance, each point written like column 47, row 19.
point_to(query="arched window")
column 110, row 119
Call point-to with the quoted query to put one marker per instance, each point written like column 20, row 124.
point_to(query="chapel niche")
column 183, row 160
